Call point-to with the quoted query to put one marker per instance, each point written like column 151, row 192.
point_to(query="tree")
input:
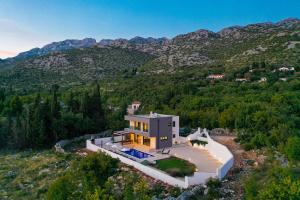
column 61, row 189
column 141, row 190
column 55, row 107
column 293, row 148
column 84, row 104
column 99, row 194
column 95, row 169
column 16, row 106
column 95, row 110
column 72, row 103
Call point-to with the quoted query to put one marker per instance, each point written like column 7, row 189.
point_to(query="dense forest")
column 39, row 120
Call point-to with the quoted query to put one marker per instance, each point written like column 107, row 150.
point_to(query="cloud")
column 16, row 38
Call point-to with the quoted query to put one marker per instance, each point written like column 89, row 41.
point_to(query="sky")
column 26, row 24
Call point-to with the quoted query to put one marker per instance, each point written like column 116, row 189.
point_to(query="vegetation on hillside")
column 273, row 181
column 72, row 67
column 98, row 176
column 28, row 174
column 39, row 120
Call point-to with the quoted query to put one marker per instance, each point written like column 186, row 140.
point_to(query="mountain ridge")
column 232, row 48
column 145, row 42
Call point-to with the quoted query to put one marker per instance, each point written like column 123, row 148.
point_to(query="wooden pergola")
column 122, row 134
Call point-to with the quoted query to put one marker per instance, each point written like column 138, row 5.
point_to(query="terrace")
column 201, row 158
column 195, row 162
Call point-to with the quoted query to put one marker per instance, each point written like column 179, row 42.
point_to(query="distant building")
column 241, row 79
column 283, row 79
column 262, row 79
column 286, row 69
column 216, row 76
column 133, row 107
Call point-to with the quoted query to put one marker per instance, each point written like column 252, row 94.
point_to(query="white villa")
column 155, row 136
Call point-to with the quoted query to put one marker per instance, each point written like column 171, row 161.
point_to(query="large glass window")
column 145, row 127
column 137, row 125
column 146, row 141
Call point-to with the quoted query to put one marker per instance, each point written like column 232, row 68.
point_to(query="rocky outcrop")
column 57, row 47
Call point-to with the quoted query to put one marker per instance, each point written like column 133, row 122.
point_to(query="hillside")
column 72, row 67
column 277, row 43
column 232, row 48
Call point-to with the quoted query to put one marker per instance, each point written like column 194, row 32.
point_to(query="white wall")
column 199, row 178
column 145, row 169
column 104, row 140
column 218, row 150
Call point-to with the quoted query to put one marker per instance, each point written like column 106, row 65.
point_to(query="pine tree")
column 84, row 104
column 55, row 107
column 95, row 110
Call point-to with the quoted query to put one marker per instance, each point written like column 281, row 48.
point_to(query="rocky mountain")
column 235, row 45
column 74, row 66
column 133, row 41
column 56, row 47
column 232, row 47
column 275, row 42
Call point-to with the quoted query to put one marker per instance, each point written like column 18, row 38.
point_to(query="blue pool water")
column 137, row 154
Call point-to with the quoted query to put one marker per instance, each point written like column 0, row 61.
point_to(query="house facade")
column 133, row 107
column 152, row 131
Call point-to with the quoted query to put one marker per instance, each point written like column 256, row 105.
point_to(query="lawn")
column 28, row 174
column 175, row 166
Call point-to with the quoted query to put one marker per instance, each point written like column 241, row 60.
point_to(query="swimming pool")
column 137, row 153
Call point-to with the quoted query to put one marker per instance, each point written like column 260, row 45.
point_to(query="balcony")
column 137, row 130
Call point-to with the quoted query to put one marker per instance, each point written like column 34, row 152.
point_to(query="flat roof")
column 154, row 115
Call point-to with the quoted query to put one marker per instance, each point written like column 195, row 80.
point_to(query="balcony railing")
column 136, row 130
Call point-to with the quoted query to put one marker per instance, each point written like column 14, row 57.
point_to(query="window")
column 174, row 124
column 145, row 127
column 169, row 124
column 137, row 125
column 174, row 135
column 163, row 138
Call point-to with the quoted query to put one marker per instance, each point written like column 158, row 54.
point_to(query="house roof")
column 152, row 115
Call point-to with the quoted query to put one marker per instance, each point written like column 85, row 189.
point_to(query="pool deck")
column 203, row 160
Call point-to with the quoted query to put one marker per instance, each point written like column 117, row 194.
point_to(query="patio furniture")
column 160, row 151
column 165, row 152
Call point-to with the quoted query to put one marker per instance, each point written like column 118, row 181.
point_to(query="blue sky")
column 25, row 24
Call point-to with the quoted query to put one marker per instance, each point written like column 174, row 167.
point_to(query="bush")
column 96, row 168
column 199, row 142
column 61, row 189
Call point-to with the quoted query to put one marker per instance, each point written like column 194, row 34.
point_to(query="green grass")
column 28, row 174
column 176, row 167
